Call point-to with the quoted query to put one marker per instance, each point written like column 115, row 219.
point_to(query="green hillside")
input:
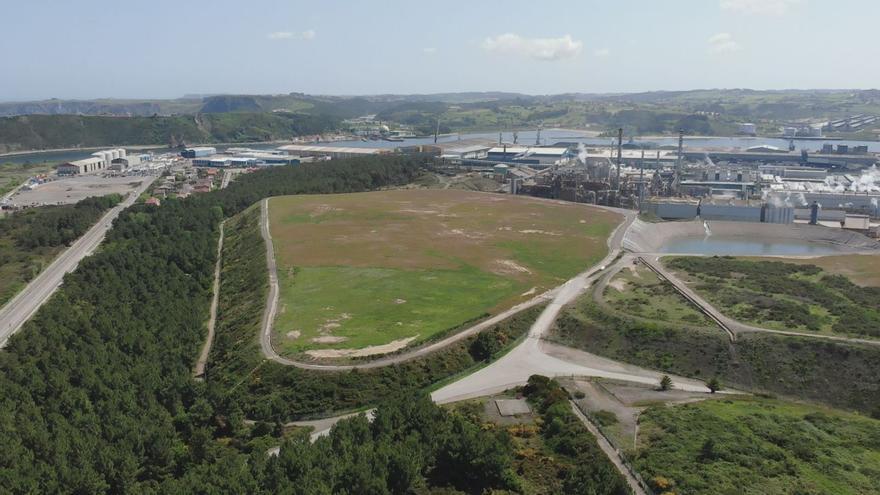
column 67, row 131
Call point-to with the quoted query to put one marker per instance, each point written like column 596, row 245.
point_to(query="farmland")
column 388, row 269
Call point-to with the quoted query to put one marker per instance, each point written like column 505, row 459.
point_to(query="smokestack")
column 814, row 213
column 642, row 180
column 680, row 150
column 619, row 148
column 436, row 131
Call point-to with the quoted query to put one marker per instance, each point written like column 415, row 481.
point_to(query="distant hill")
column 68, row 131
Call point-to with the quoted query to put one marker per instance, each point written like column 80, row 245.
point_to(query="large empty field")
column 376, row 271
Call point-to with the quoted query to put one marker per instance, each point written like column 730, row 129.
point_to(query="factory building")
column 730, row 211
column 332, row 152
column 125, row 162
column 247, row 160
column 534, row 156
column 748, row 129
column 198, row 152
column 100, row 160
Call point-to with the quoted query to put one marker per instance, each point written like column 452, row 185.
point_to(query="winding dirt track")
column 199, row 369
column 272, row 306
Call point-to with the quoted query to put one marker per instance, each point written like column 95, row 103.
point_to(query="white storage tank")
column 114, row 154
column 122, row 153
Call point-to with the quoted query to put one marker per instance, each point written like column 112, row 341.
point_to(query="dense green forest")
column 273, row 392
column 96, row 392
column 69, row 131
column 31, row 238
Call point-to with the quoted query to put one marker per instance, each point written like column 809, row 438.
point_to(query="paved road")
column 199, row 369
column 18, row 310
column 272, row 306
column 733, row 327
column 612, row 453
column 535, row 356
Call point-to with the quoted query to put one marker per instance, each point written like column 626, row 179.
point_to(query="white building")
column 748, row 128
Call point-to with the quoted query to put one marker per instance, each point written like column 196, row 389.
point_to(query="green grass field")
column 759, row 446
column 639, row 292
column 385, row 269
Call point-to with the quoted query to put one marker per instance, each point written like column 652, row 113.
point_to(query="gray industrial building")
column 198, row 152
column 732, row 211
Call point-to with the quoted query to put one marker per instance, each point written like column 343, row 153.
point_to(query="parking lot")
column 72, row 189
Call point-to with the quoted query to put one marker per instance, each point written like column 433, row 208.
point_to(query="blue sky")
column 162, row 48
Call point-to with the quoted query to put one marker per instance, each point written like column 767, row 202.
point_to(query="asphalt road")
column 20, row 308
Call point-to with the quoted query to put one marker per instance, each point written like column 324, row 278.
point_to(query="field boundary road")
column 21, row 307
column 272, row 304
column 732, row 326
column 609, row 450
column 199, row 370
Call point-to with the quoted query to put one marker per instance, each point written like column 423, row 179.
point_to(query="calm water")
column 741, row 247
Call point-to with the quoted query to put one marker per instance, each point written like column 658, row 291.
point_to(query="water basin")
column 727, row 246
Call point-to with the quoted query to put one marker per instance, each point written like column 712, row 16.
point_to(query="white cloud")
column 308, row 34
column 601, row 52
column 429, row 50
column 536, row 48
column 722, row 43
column 758, row 7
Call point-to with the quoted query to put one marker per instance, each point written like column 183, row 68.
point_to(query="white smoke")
column 869, row 181
column 789, row 200
column 582, row 153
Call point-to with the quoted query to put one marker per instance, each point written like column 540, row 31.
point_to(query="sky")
column 164, row 49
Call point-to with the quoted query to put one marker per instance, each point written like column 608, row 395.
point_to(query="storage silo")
column 114, row 154
column 122, row 153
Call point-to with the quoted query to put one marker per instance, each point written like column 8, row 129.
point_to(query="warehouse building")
column 332, row 152
column 99, row 161
column 198, row 152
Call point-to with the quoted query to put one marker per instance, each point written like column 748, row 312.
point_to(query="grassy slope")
column 12, row 175
column 784, row 296
column 838, row 374
column 644, row 295
column 378, row 267
column 861, row 269
column 760, row 447
column 271, row 391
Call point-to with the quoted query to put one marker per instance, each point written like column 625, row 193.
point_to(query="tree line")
column 96, row 393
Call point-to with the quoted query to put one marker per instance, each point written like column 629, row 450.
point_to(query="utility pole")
column 676, row 181
column 642, row 180
column 619, row 156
